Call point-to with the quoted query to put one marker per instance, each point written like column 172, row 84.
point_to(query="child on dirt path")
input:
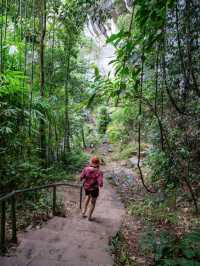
column 93, row 179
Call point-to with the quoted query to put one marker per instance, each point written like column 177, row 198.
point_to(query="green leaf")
column 117, row 37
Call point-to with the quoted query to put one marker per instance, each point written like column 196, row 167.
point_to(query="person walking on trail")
column 92, row 179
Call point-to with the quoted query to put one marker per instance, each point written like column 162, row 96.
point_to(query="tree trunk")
column 50, row 153
column 66, row 123
column 42, row 81
column 32, row 74
column 1, row 40
column 83, row 137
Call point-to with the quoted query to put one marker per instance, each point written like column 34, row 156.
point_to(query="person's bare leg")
column 87, row 200
column 93, row 203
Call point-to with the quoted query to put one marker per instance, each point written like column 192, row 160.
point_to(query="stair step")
column 30, row 249
column 43, row 234
column 57, row 223
column 38, row 249
column 14, row 261
column 47, row 262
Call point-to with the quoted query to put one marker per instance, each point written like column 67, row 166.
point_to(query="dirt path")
column 72, row 241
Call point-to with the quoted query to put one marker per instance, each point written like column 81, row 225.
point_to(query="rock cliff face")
column 103, row 53
column 104, row 10
column 102, row 22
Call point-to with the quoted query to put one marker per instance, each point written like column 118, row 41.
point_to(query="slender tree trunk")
column 32, row 73
column 51, row 79
column 83, row 137
column 140, row 124
column 56, row 138
column 189, row 40
column 1, row 39
column 66, row 124
column 25, row 54
column 156, row 100
column 23, row 149
column 21, row 31
column 42, row 81
column 6, row 20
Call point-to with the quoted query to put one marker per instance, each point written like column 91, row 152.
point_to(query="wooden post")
column 14, row 220
column 54, row 200
column 81, row 195
column 3, row 227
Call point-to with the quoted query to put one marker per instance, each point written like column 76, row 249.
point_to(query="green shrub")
column 131, row 149
column 153, row 213
column 76, row 160
column 162, row 166
column 170, row 250
column 128, row 150
column 115, row 133
column 103, row 120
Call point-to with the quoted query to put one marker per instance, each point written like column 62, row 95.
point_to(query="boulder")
column 132, row 162
column 110, row 149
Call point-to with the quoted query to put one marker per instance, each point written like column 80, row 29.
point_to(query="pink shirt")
column 91, row 176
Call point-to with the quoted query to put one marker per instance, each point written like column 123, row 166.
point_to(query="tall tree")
column 43, row 16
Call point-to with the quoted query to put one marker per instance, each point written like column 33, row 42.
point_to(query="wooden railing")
column 12, row 198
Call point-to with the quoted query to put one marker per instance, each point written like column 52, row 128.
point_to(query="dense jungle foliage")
column 54, row 103
column 154, row 95
column 43, row 81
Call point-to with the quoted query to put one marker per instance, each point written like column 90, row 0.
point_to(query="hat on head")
column 95, row 161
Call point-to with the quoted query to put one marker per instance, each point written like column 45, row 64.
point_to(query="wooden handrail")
column 7, row 196
column 18, row 191
column 12, row 196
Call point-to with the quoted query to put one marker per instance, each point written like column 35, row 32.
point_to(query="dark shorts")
column 93, row 193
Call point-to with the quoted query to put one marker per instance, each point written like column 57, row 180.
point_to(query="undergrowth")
column 169, row 236
column 147, row 210
column 34, row 208
column 125, row 151
column 29, row 173
column 119, row 248
column 170, row 250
